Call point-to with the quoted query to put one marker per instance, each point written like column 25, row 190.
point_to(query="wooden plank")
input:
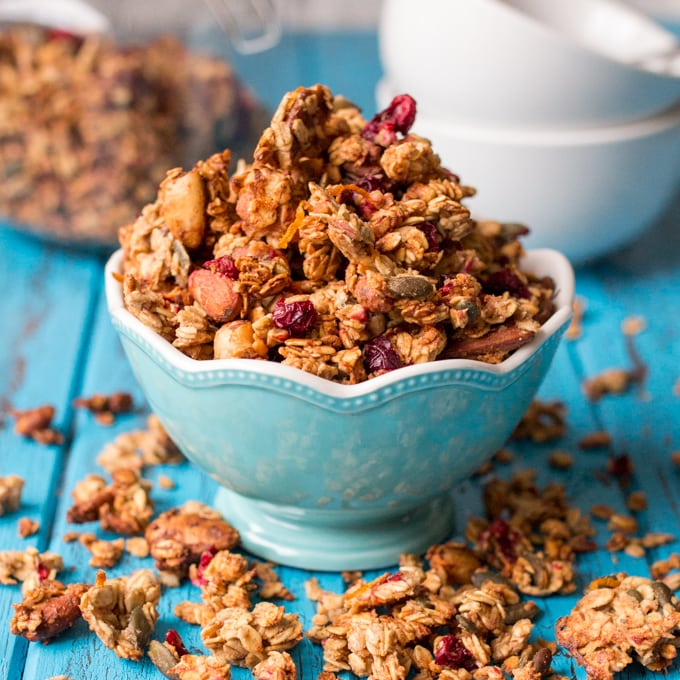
column 46, row 310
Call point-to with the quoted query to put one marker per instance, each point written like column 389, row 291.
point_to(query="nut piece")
column 178, row 537
column 216, row 294
column 182, row 201
column 47, row 610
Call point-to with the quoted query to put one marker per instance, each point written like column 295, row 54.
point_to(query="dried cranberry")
column 380, row 355
column 398, row 117
column 504, row 536
column 222, row 265
column 620, row 466
column 296, row 317
column 431, row 234
column 173, row 638
column 205, row 560
column 43, row 571
column 452, row 653
column 350, row 196
column 506, row 280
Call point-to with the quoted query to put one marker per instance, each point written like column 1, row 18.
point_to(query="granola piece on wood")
column 122, row 611
column 11, row 488
column 178, row 537
column 47, row 610
column 622, row 619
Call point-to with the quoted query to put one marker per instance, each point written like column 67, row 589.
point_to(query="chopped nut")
column 595, row 440
column 636, row 501
column 560, row 460
column 36, row 423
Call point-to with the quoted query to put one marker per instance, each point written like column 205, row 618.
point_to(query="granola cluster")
column 88, row 127
column 619, row 620
column 413, row 621
column 11, row 488
column 343, row 249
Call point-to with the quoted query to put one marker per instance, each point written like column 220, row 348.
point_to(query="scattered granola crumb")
column 105, row 554
column 560, row 460
column 601, row 511
column 137, row 546
column 662, row 568
column 276, row 666
column 675, row 458
column 622, row 619
column 70, row 536
column 22, row 565
column 11, row 488
column 106, row 407
column 28, row 527
column 636, row 501
column 575, row 329
column 543, row 422
column 598, row 439
column 36, row 424
column 165, row 482
column 139, row 448
column 632, row 325
column 504, row 456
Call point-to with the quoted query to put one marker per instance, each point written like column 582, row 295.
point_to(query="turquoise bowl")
column 324, row 476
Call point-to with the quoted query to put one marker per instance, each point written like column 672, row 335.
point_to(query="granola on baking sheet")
column 622, row 619
column 122, row 611
column 342, row 249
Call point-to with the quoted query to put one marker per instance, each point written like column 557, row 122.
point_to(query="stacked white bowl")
column 564, row 115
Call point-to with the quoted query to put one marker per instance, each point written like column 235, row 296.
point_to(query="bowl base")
column 331, row 540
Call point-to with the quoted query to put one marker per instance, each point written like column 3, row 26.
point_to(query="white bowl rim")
column 542, row 261
column 541, row 136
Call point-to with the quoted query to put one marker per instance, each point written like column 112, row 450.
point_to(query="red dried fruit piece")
column 297, row 316
column 215, row 293
column 452, row 653
column 172, row 637
column 205, row 559
column 43, row 571
column 222, row 265
column 504, row 536
column 431, row 234
column 398, row 117
column 506, row 280
column 380, row 355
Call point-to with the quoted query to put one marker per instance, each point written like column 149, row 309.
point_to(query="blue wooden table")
column 57, row 343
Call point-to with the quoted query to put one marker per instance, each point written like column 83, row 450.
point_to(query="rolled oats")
column 122, row 611
column 338, row 235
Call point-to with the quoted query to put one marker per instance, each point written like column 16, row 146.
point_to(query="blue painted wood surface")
column 56, row 343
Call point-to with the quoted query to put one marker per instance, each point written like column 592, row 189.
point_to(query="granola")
column 178, row 537
column 123, row 507
column 622, row 619
column 36, row 423
column 28, row 565
column 342, row 249
column 47, row 610
column 106, row 407
column 89, row 127
column 11, row 488
column 122, row 611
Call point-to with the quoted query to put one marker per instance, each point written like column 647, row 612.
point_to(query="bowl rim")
column 541, row 261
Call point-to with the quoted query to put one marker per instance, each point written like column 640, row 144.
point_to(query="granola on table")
column 122, row 611
column 622, row 619
column 342, row 249
column 11, row 488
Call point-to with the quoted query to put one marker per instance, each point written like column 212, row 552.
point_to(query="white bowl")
column 583, row 192
column 528, row 63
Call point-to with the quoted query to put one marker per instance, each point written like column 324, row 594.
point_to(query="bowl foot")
column 330, row 540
